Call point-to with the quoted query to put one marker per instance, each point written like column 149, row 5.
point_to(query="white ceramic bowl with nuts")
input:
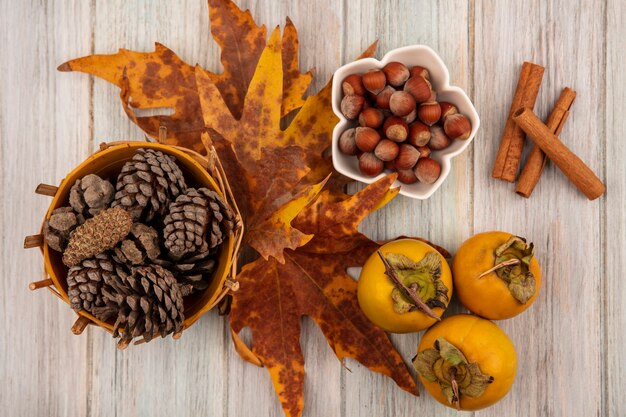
column 386, row 134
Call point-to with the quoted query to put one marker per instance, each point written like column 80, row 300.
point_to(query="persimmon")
column 496, row 275
column 466, row 362
column 405, row 287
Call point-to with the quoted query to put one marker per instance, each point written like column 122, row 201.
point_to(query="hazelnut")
column 386, row 150
column 429, row 112
column 401, row 103
column 419, row 134
column 395, row 129
column 433, row 95
column 447, row 109
column 374, row 81
column 351, row 106
column 366, row 138
column 371, row 117
column 418, row 71
column 407, row 176
column 424, row 151
column 370, row 165
column 391, row 165
column 347, row 143
column 438, row 138
column 419, row 88
column 457, row 126
column 396, row 73
column 427, row 170
column 407, row 156
column 409, row 118
column 382, row 98
column 353, row 85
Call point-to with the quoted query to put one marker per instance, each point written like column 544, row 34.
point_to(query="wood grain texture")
column 570, row 343
column 614, row 219
column 41, row 362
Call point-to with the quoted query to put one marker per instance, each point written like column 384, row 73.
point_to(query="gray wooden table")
column 570, row 343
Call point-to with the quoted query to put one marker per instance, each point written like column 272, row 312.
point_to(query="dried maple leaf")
column 160, row 79
column 272, row 161
column 272, row 167
column 313, row 282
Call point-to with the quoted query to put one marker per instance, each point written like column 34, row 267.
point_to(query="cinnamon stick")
column 512, row 142
column 531, row 173
column 572, row 166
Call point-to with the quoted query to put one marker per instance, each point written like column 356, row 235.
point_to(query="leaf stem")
column 500, row 265
column 456, row 399
column 390, row 271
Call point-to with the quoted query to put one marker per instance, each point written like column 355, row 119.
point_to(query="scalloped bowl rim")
column 440, row 77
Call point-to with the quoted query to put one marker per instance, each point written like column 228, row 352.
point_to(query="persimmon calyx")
column 423, row 278
column 515, row 255
column 446, row 365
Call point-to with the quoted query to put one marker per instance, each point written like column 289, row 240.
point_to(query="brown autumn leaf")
column 160, row 79
column 273, row 161
column 313, row 282
column 269, row 160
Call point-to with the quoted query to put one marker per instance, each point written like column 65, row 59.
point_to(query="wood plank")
column 614, row 231
column 557, row 340
column 446, row 217
column 44, row 129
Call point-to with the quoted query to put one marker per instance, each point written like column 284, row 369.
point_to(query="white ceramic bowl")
column 440, row 78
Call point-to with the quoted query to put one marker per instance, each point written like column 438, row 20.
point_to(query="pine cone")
column 101, row 232
column 88, row 281
column 193, row 272
column 90, row 195
column 148, row 183
column 150, row 303
column 57, row 229
column 142, row 242
column 197, row 222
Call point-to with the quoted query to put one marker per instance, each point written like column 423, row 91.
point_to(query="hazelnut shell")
column 419, row 134
column 407, row 176
column 427, row 170
column 395, row 129
column 370, row 165
column 353, row 84
column 401, row 103
column 407, row 156
column 457, row 126
column 396, row 73
column 429, row 112
column 386, row 150
column 382, row 98
column 438, row 138
column 419, row 88
column 371, row 117
column 374, row 81
column 347, row 143
column 366, row 138
column 352, row 105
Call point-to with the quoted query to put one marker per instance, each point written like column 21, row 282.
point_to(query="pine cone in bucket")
column 87, row 281
column 90, row 195
column 57, row 229
column 101, row 232
column 141, row 243
column 194, row 272
column 148, row 303
column 197, row 223
column 147, row 184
